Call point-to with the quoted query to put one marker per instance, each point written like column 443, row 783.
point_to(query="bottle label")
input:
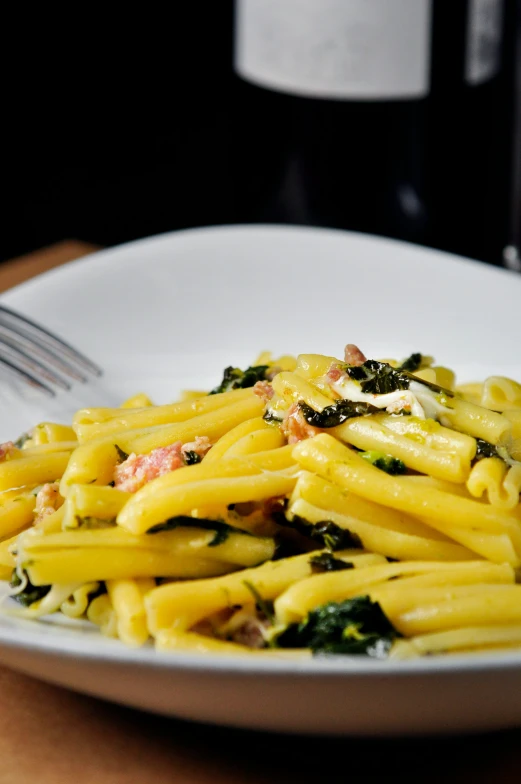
column 354, row 49
column 484, row 34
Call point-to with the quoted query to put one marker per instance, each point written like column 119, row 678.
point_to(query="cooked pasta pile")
column 305, row 505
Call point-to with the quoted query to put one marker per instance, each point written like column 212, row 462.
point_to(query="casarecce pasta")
column 306, row 505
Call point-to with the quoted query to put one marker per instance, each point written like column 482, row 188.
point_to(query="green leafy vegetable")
column 326, row 532
column 31, row 593
column 378, row 378
column 235, row 378
column 93, row 523
column 191, row 457
column 263, row 605
column 412, row 363
column 335, row 414
column 19, row 443
column 388, row 463
column 354, row 626
column 485, row 449
column 326, row 562
column 222, row 530
column 270, row 417
column 122, row 456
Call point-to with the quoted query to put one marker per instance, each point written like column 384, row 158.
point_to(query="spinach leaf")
column 94, row 523
column 122, row 456
column 263, row 605
column 326, row 562
column 354, row 626
column 31, row 593
column 22, row 439
column 222, row 530
column 485, row 449
column 412, row 363
column 378, row 378
column 191, row 457
column 326, row 532
column 335, row 414
column 388, row 463
column 270, row 418
column 235, row 378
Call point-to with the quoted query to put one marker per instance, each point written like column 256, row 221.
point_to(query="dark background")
column 124, row 124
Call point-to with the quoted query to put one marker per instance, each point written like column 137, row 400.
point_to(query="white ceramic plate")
column 170, row 312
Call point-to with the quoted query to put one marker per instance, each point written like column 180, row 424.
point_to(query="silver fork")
column 32, row 354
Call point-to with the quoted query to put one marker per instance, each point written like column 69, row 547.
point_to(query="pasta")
column 305, row 506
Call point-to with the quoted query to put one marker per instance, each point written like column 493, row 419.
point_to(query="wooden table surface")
column 52, row 736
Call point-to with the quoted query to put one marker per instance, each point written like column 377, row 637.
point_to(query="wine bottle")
column 385, row 116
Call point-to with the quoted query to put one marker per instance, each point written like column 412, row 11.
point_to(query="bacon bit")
column 334, row 373
column 137, row 470
column 48, row 500
column 272, row 372
column 250, row 633
column 263, row 390
column 295, row 427
column 200, row 446
column 353, row 355
column 7, row 450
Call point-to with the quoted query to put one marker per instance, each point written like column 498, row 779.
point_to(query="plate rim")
column 274, row 228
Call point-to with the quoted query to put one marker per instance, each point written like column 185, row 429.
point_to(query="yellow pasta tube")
column 7, row 558
column 292, row 388
column 437, row 374
column 459, row 606
column 50, row 433
column 501, row 393
column 62, row 565
column 225, row 442
column 191, row 394
column 497, row 548
column 16, row 514
column 284, row 362
column 138, row 516
column 91, row 463
column 470, row 392
column 76, row 604
column 471, row 573
column 311, row 366
column 467, row 638
column 330, row 497
column 95, row 423
column 303, row 596
column 51, row 523
column 33, row 470
column 181, row 605
column 140, row 400
column 365, row 433
column 101, row 612
column 44, row 449
column 112, row 553
column 212, row 424
column 343, row 466
column 431, row 434
column 274, row 459
column 127, row 597
column 501, row 483
column 258, row 441
column 174, row 640
column 475, row 420
column 103, row 503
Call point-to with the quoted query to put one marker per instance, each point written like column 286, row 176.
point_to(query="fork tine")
column 38, row 332
column 26, row 377
column 27, row 361
column 21, row 343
